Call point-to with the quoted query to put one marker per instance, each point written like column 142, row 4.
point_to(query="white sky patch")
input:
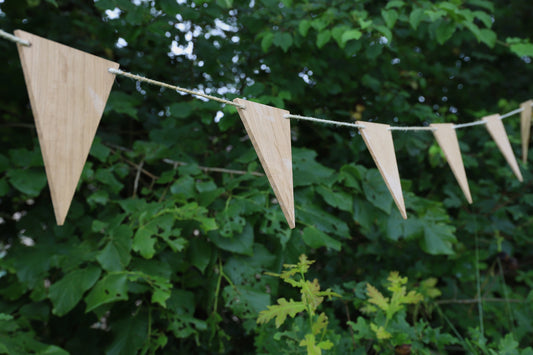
column 218, row 116
column 176, row 49
column 113, row 14
column 121, row 43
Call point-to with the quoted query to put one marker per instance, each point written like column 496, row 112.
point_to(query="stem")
column 478, row 283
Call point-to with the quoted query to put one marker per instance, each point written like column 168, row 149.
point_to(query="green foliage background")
column 162, row 253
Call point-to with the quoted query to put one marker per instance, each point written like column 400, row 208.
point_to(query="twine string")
column 173, row 87
column 320, row 120
column 24, row 42
column 15, row 39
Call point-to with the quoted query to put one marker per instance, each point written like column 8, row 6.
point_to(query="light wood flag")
column 498, row 133
column 378, row 139
column 270, row 133
column 447, row 138
column 68, row 90
column 525, row 127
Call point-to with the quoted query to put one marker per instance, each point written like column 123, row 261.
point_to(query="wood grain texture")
column 498, row 133
column 378, row 139
column 270, row 134
column 68, row 90
column 447, row 138
column 525, row 127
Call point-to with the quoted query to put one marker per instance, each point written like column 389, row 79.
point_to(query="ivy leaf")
column 281, row 311
column 67, row 292
column 112, row 288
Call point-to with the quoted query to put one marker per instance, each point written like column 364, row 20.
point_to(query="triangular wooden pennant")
column 68, row 90
column 270, row 133
column 525, row 127
column 447, row 138
column 498, row 133
column 378, row 139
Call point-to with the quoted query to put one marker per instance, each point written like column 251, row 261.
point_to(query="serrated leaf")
column 310, row 343
column 320, row 323
column 281, row 311
column 376, row 297
column 67, row 292
column 380, row 331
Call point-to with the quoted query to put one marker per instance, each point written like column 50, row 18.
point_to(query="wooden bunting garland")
column 498, row 133
column 270, row 133
column 525, row 127
column 447, row 139
column 378, row 139
column 68, row 90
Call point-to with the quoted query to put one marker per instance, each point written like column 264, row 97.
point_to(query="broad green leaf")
column 129, row 335
column 438, row 239
column 488, row 37
column 67, row 292
column 115, row 256
column 238, row 243
column 351, row 34
column 390, row 17
column 444, row 31
column 181, row 109
column 111, row 288
column 323, row 38
column 376, row 191
column 316, row 239
column 522, row 49
column 282, row 40
column 303, row 27
column 395, row 3
column 29, row 181
column 339, row 199
column 267, row 41
column 416, row 17
column 144, row 240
